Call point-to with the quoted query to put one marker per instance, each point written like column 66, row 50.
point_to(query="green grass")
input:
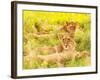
column 77, row 63
column 51, row 22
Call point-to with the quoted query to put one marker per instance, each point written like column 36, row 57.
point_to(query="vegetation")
column 36, row 23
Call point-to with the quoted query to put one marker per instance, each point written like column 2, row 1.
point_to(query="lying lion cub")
column 66, row 43
column 57, row 58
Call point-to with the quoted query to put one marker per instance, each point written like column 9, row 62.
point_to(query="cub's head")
column 70, row 27
column 67, row 41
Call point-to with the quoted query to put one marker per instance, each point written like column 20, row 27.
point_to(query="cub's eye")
column 68, row 39
column 63, row 39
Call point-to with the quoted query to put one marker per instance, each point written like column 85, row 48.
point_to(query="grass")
column 77, row 63
column 50, row 22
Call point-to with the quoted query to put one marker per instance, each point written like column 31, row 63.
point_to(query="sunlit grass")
column 51, row 22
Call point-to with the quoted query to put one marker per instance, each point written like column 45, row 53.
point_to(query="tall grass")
column 50, row 22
